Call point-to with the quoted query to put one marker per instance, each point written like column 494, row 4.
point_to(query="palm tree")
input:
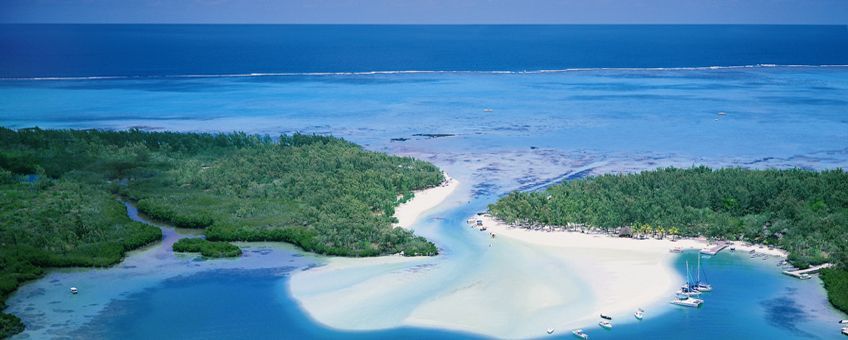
column 673, row 231
column 648, row 230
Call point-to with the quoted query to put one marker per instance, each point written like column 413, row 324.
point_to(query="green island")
column 59, row 192
column 801, row 211
column 207, row 248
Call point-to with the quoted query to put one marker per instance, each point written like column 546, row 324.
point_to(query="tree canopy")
column 804, row 212
column 326, row 195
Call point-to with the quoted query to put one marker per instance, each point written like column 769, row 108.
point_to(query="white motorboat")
column 639, row 314
column 688, row 302
column 74, row 290
column 580, row 334
column 549, row 330
column 843, row 321
column 845, row 331
column 605, row 324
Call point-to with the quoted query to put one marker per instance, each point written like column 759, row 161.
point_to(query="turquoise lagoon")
column 542, row 128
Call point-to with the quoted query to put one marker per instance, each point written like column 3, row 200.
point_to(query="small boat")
column 580, row 334
column 806, row 276
column 843, row 321
column 732, row 248
column 676, row 250
column 483, row 228
column 604, row 316
column 639, row 314
column 688, row 302
column 605, row 324
column 487, row 110
column 549, row 330
column 722, row 113
column 74, row 290
column 752, row 251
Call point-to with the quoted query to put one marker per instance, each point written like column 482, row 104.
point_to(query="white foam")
column 367, row 73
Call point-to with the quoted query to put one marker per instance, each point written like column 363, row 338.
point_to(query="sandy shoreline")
column 622, row 274
column 515, row 285
column 423, row 201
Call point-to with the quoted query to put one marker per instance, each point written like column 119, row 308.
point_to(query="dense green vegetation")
column 803, row 212
column 58, row 187
column 10, row 325
column 207, row 248
column 60, row 223
column 836, row 283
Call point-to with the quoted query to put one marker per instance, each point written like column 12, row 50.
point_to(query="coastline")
column 349, row 293
column 423, row 201
column 622, row 274
column 530, row 281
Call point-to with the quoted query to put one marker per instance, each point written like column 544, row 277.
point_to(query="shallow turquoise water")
column 541, row 128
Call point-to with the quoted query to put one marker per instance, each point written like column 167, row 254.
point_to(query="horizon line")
column 422, row 24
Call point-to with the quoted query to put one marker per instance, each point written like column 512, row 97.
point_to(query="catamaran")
column 686, row 290
column 689, row 288
column 702, row 286
column 580, row 334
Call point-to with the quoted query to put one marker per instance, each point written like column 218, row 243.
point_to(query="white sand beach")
column 514, row 285
column 423, row 201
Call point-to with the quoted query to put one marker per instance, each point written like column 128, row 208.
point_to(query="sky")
column 428, row 11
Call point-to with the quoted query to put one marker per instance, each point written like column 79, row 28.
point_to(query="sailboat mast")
column 699, row 269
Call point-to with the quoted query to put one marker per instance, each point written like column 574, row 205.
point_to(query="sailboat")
column 684, row 295
column 702, row 286
column 688, row 287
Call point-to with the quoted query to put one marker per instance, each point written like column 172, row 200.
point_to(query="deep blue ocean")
column 167, row 50
column 523, row 106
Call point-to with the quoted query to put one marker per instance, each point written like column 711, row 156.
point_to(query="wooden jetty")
column 805, row 273
column 714, row 249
